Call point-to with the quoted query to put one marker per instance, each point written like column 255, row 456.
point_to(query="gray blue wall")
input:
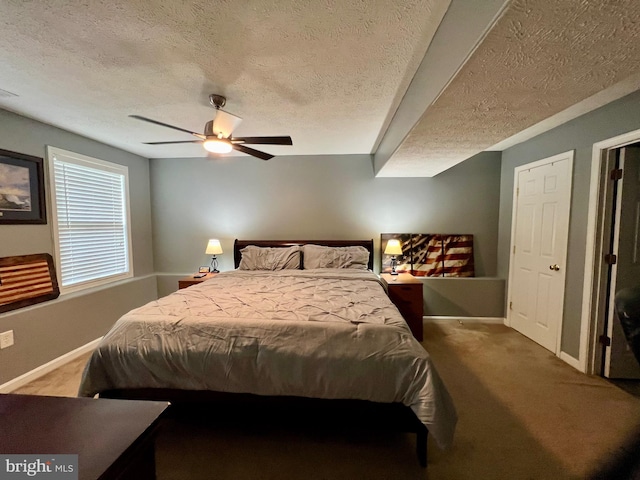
column 580, row 134
column 329, row 197
column 45, row 331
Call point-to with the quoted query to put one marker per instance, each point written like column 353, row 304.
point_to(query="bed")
column 286, row 328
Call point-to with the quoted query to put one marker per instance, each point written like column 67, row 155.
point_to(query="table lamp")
column 214, row 248
column 393, row 248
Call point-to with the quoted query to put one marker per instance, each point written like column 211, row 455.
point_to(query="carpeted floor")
column 523, row 414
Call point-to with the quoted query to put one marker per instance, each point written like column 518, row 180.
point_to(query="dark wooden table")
column 185, row 282
column 112, row 438
column 405, row 291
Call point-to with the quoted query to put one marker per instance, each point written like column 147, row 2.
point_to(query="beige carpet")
column 524, row 414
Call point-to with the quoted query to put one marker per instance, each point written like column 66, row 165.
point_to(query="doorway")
column 606, row 214
column 540, row 232
column 621, row 257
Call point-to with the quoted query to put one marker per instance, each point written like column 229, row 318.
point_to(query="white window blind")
column 91, row 219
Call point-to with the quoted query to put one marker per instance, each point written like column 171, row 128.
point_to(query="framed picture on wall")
column 441, row 255
column 430, row 254
column 22, row 198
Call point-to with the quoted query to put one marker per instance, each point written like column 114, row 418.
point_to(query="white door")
column 539, row 249
column 619, row 359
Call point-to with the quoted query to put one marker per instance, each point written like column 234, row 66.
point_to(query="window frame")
column 103, row 165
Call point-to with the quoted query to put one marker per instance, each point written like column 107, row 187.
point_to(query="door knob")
column 554, row 267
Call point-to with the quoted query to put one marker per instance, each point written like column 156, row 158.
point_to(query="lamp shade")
column 213, row 247
column 393, row 247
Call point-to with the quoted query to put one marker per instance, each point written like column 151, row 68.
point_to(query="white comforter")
column 311, row 333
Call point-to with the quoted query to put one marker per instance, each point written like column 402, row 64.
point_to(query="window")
column 90, row 218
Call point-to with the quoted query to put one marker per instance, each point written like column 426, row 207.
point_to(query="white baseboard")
column 38, row 372
column 447, row 319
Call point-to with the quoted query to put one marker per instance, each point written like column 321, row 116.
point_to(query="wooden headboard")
column 240, row 244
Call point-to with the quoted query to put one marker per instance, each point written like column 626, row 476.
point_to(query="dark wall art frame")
column 22, row 199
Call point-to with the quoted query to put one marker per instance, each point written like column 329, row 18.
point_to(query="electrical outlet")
column 6, row 339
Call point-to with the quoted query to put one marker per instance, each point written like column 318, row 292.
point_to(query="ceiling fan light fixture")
column 217, row 133
column 216, row 145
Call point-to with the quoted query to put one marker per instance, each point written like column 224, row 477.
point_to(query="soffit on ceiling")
column 329, row 73
column 540, row 58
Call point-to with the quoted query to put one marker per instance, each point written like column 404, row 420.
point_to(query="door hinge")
column 514, row 249
column 610, row 259
column 510, row 305
column 605, row 340
column 616, row 174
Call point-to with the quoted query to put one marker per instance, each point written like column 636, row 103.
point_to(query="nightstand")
column 188, row 281
column 405, row 291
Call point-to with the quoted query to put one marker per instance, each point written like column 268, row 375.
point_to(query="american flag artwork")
column 432, row 255
column 26, row 280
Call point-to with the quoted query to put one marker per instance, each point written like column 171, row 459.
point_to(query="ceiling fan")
column 217, row 133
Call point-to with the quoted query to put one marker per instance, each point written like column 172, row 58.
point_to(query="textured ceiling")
column 330, row 73
column 336, row 75
column 539, row 59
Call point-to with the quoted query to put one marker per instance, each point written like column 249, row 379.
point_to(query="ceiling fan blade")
column 253, row 152
column 263, row 140
column 150, row 120
column 225, row 123
column 171, row 143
